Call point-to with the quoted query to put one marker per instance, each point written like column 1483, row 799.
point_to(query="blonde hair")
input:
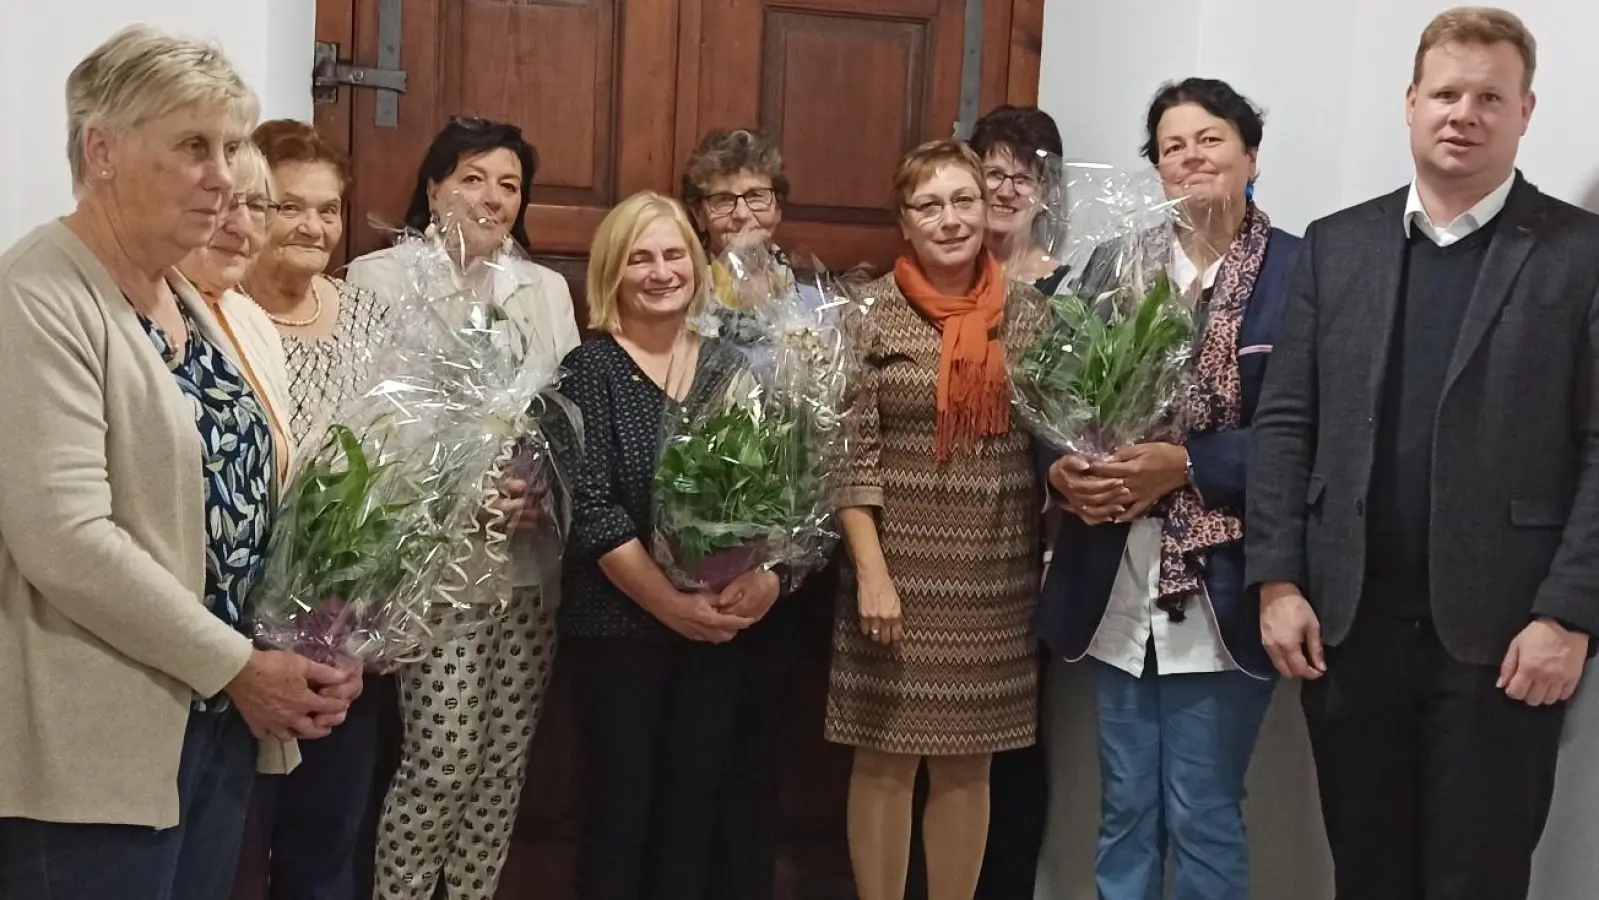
column 251, row 173
column 619, row 231
column 923, row 163
column 1484, row 25
column 141, row 74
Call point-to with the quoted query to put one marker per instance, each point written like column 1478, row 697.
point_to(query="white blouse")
column 1131, row 617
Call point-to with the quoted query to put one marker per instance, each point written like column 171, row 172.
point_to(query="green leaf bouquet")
column 375, row 557
column 747, row 468
column 1111, row 353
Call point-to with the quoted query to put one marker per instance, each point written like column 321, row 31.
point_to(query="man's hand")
column 750, row 595
column 277, row 694
column 1544, row 663
column 1291, row 632
column 1147, row 472
column 1093, row 499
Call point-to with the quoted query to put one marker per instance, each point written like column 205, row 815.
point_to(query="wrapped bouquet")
column 396, row 502
column 1111, row 358
column 747, row 471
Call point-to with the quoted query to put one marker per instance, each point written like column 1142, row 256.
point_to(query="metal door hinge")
column 329, row 73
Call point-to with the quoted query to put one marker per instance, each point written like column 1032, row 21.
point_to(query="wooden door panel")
column 548, row 66
column 845, row 87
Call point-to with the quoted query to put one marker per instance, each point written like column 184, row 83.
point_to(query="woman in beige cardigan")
column 128, row 694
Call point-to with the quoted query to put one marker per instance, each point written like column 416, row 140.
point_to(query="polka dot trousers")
column 469, row 711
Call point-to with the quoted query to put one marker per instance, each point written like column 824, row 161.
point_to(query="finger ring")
column 874, row 632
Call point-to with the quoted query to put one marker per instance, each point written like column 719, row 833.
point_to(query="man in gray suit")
column 1423, row 502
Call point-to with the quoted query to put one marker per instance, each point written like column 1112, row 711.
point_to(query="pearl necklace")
column 316, row 313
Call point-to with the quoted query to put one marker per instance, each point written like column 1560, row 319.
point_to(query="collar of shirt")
column 1464, row 224
column 1185, row 272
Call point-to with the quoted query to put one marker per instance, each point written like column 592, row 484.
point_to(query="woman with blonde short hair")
column 655, row 680
column 134, row 506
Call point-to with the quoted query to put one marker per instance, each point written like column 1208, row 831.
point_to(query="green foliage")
column 336, row 536
column 735, row 476
column 1098, row 379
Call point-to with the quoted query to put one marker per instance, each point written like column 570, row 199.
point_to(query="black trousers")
column 315, row 815
column 1434, row 784
column 655, row 720
column 750, row 814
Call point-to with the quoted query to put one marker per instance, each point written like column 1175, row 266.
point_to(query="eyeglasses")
column 756, row 199
column 261, row 209
column 966, row 207
column 1024, row 182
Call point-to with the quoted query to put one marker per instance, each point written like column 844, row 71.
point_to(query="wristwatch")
column 1188, row 466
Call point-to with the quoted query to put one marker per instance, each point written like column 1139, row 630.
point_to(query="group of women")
column 166, row 347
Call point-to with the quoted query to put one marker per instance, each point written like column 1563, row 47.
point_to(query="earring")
column 1249, row 191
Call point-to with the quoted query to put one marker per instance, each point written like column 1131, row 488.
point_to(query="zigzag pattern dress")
column 961, row 541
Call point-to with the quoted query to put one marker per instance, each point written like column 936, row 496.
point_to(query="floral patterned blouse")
column 237, row 460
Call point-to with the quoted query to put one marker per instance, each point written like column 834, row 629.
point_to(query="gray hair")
column 141, row 74
column 251, row 172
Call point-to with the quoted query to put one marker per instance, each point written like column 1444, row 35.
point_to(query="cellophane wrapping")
column 1112, row 357
column 749, row 462
column 391, row 538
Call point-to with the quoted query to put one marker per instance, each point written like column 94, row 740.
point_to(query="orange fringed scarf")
column 973, row 399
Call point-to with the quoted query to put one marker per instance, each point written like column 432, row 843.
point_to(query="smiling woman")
column 329, row 331
column 473, row 184
column 932, row 654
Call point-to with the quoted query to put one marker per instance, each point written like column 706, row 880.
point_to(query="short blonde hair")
column 251, row 173
column 1484, row 25
column 141, row 74
column 923, row 163
column 619, row 231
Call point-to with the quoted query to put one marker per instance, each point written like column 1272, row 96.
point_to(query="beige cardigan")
column 105, row 639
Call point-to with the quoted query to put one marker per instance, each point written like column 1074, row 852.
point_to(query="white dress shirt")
column 1131, row 616
column 1464, row 224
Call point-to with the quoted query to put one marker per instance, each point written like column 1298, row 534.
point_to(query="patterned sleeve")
column 600, row 524
column 861, row 484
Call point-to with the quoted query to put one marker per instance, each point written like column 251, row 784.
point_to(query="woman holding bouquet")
column 734, row 185
column 1147, row 574
column 473, row 183
column 328, row 328
column 135, row 506
column 933, row 658
column 655, row 681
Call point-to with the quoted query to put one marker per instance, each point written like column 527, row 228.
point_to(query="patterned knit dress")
column 961, row 542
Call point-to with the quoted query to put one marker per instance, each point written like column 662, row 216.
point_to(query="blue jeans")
column 192, row 861
column 1173, row 753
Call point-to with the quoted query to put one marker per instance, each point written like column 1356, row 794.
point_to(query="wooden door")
column 615, row 94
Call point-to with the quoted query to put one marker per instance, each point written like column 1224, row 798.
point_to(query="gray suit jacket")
column 1515, row 495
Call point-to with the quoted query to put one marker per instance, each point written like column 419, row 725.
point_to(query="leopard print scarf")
column 1213, row 402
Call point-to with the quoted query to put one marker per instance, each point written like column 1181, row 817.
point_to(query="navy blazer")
column 1087, row 558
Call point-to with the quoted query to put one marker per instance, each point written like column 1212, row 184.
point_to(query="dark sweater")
column 611, row 474
column 1434, row 293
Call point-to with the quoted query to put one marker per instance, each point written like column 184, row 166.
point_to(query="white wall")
column 268, row 40
column 1331, row 76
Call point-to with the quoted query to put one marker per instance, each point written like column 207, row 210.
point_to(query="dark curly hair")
column 467, row 136
column 1213, row 96
column 1022, row 130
